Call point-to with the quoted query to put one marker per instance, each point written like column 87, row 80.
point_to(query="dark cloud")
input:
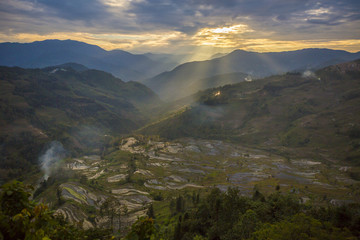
column 76, row 9
column 48, row 16
column 187, row 15
column 163, row 13
column 181, row 14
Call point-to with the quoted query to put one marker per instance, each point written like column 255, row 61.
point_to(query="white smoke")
column 54, row 153
column 248, row 78
column 308, row 74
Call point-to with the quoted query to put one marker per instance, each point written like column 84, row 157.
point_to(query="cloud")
column 221, row 36
column 88, row 10
column 166, row 24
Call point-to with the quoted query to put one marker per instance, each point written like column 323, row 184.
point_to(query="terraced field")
column 135, row 173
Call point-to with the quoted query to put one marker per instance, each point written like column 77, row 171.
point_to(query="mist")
column 308, row 74
column 89, row 137
column 52, row 155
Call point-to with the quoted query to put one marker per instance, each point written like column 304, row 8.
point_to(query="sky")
column 186, row 26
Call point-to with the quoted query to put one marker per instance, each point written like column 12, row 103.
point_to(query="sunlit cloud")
column 318, row 12
column 242, row 36
column 220, row 36
column 117, row 3
column 236, row 29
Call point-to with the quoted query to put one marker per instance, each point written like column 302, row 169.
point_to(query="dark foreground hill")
column 75, row 108
column 316, row 115
column 186, row 78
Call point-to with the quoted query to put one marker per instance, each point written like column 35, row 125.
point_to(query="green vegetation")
column 215, row 215
column 21, row 218
column 277, row 216
column 75, row 194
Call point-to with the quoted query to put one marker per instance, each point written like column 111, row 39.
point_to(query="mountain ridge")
column 252, row 63
column 46, row 53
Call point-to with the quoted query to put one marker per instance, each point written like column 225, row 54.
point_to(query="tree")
column 111, row 208
column 172, row 206
column 142, row 229
column 180, row 204
column 247, row 224
column 150, row 212
column 58, row 196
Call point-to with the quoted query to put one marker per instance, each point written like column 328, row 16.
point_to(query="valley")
column 179, row 120
column 107, row 155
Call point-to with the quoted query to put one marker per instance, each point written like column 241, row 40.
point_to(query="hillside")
column 274, row 149
column 76, row 108
column 315, row 116
column 175, row 84
column 120, row 63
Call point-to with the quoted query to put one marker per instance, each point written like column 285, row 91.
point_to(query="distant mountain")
column 217, row 55
column 77, row 108
column 315, row 116
column 170, row 60
column 175, row 84
column 41, row 54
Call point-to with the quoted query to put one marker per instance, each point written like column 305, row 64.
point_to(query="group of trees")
column 229, row 216
column 114, row 210
column 217, row 216
column 21, row 218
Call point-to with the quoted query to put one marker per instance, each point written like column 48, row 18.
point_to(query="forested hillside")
column 76, row 108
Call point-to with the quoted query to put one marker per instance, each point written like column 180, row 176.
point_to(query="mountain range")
column 122, row 64
column 180, row 81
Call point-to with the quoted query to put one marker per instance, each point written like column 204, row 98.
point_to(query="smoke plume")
column 308, row 74
column 248, row 78
column 54, row 153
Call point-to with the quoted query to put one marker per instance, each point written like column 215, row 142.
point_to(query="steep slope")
column 315, row 116
column 174, row 84
column 75, row 108
column 55, row 52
